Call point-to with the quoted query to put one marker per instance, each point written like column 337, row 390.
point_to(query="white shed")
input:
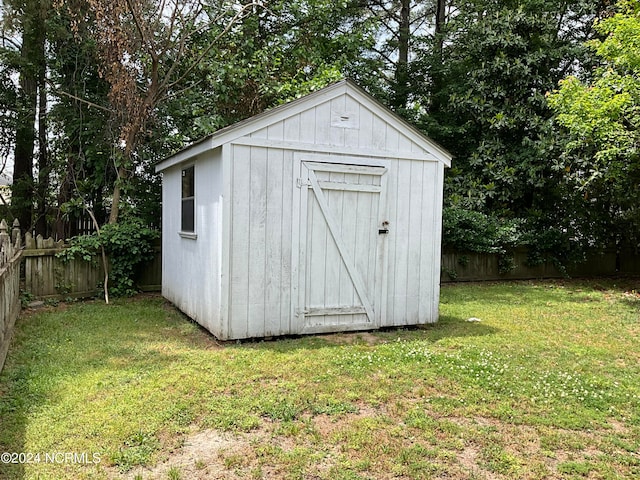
column 320, row 215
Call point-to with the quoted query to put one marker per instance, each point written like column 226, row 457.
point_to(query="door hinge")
column 300, row 183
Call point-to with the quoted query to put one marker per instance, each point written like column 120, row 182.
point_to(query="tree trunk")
column 438, row 48
column 22, row 190
column 439, row 29
column 117, row 194
column 43, row 157
column 134, row 128
column 32, row 61
column 401, row 87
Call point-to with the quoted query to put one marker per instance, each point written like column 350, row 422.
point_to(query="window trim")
column 190, row 234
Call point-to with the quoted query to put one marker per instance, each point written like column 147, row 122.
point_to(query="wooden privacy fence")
column 47, row 276
column 466, row 267
column 10, row 252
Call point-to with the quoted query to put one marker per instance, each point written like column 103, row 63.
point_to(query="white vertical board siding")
column 415, row 196
column 338, row 247
column 431, row 266
column 260, row 264
column 365, row 129
column 257, row 241
column 412, row 196
column 286, row 234
column 239, row 238
column 191, row 267
column 273, row 249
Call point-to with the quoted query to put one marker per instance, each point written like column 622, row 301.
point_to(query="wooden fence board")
column 10, row 256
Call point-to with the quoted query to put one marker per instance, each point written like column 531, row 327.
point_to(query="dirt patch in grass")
column 468, row 459
column 327, row 425
column 213, row 454
column 204, row 455
column 490, row 449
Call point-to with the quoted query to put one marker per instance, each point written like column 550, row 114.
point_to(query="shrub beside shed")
column 320, row 215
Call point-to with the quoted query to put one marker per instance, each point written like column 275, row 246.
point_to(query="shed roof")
column 273, row 115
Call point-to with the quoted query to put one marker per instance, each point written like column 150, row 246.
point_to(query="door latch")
column 384, row 230
column 302, row 183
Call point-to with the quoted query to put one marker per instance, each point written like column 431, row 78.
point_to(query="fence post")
column 4, row 236
column 15, row 234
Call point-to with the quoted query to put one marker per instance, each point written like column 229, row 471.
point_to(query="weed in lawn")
column 232, row 461
column 226, row 413
column 575, row 468
column 331, row 406
column 257, row 473
column 174, row 474
column 137, row 451
column 416, row 461
column 281, row 409
column 180, row 414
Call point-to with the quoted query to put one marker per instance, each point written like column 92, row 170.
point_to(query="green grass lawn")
column 547, row 385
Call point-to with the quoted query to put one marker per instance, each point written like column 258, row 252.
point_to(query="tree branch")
column 143, row 36
column 213, row 43
column 74, row 97
column 12, row 42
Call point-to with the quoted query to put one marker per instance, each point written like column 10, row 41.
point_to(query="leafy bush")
column 471, row 231
column 127, row 244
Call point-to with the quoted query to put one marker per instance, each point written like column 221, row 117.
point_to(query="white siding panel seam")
column 267, row 245
column 227, row 239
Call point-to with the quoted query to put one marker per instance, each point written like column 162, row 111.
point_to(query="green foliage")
column 478, row 87
column 278, row 53
column 8, row 114
column 26, row 298
column 484, row 100
column 84, row 246
column 488, row 106
column 471, row 231
column 601, row 116
column 128, row 244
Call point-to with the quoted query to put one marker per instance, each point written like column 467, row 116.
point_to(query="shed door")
column 342, row 238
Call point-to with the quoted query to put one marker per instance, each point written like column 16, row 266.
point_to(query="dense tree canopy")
column 114, row 86
column 602, row 115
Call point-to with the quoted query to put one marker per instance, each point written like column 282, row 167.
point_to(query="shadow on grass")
column 15, row 403
column 452, row 327
column 446, row 327
column 90, row 342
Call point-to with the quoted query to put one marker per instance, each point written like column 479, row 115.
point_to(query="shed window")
column 188, row 200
